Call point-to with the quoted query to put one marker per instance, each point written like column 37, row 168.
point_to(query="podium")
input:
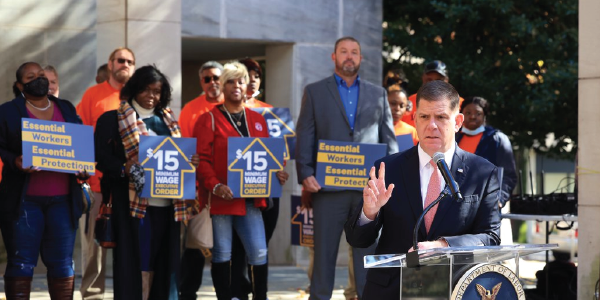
column 459, row 272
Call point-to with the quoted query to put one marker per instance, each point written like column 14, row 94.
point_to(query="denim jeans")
column 249, row 228
column 45, row 228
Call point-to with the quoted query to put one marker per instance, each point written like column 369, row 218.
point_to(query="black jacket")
column 496, row 148
column 14, row 182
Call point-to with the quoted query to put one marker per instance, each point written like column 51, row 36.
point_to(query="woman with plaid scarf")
column 146, row 258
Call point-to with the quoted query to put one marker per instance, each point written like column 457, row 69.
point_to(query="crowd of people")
column 41, row 211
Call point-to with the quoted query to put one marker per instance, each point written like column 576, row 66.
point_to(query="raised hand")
column 375, row 194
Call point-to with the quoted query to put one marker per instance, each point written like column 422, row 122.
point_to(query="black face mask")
column 37, row 87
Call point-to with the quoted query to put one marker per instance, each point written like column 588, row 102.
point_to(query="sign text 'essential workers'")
column 58, row 146
column 346, row 165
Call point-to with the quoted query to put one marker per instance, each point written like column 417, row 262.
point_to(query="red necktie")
column 433, row 191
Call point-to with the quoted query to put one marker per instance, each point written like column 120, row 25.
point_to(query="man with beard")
column 211, row 95
column 342, row 107
column 192, row 260
column 97, row 100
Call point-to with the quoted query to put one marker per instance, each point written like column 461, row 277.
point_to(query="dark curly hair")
column 477, row 101
column 141, row 79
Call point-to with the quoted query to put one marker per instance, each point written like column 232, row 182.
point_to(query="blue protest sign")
column 280, row 125
column 58, row 146
column 252, row 166
column 167, row 167
column 301, row 224
column 405, row 142
column 346, row 165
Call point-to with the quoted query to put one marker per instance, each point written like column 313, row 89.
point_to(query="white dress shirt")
column 425, row 170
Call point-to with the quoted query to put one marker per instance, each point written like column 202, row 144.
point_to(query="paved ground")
column 284, row 283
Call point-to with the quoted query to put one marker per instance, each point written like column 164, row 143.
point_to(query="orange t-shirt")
column 255, row 103
column 97, row 100
column 191, row 112
column 469, row 143
column 408, row 116
column 1, row 170
column 401, row 128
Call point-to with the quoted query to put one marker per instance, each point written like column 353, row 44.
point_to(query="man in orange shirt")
column 192, row 260
column 97, row 100
column 209, row 73
column 435, row 70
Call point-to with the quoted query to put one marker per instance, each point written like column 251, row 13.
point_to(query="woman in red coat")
column 243, row 215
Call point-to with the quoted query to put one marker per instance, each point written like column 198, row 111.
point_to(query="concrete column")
column 589, row 164
column 151, row 28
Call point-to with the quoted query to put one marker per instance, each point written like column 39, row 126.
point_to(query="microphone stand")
column 412, row 258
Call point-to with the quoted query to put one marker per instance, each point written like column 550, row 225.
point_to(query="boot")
column 221, row 276
column 61, row 288
column 259, row 277
column 17, row 288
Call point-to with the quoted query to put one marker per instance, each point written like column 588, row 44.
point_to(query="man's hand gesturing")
column 375, row 194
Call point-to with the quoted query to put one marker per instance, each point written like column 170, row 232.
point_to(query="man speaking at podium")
column 414, row 182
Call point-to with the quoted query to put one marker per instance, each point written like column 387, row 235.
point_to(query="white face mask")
column 476, row 131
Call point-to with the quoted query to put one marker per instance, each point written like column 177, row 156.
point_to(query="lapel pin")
column 460, row 170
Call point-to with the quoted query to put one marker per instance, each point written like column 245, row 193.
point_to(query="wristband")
column 215, row 188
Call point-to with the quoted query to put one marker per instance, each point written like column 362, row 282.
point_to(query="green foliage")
column 521, row 55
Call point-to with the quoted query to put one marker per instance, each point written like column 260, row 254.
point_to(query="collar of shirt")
column 425, row 168
column 342, row 82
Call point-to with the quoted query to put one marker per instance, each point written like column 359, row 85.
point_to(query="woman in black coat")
column 146, row 258
column 39, row 210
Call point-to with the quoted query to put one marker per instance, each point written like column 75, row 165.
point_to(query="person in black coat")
column 39, row 210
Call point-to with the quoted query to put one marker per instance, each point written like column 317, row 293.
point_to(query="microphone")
column 440, row 161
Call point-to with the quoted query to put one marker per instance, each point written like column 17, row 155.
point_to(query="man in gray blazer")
column 341, row 107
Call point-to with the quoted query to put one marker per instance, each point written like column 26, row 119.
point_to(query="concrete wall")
column 60, row 33
column 299, row 37
column 589, row 164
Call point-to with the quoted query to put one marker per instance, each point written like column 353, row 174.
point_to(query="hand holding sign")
column 375, row 194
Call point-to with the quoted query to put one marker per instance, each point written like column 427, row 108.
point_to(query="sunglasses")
column 208, row 79
column 129, row 61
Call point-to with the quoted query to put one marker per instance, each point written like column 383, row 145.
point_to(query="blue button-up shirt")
column 349, row 97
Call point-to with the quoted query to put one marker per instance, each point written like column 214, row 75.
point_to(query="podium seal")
column 488, row 282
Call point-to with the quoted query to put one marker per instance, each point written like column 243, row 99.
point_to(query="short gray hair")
column 211, row 64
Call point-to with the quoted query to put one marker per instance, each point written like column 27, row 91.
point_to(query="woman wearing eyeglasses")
column 231, row 119
column 39, row 210
column 146, row 258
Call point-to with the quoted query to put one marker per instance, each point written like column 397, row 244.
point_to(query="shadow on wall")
column 60, row 33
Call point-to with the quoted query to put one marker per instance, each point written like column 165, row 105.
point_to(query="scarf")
column 130, row 129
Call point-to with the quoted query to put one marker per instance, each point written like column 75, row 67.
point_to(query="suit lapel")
column 458, row 170
column 412, row 186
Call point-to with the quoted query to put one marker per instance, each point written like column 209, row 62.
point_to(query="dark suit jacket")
column 474, row 221
column 323, row 117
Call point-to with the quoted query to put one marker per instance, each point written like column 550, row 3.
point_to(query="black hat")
column 437, row 66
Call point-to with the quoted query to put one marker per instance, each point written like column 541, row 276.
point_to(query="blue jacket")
column 497, row 149
column 14, row 181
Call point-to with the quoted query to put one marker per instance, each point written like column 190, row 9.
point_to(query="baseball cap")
column 437, row 66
